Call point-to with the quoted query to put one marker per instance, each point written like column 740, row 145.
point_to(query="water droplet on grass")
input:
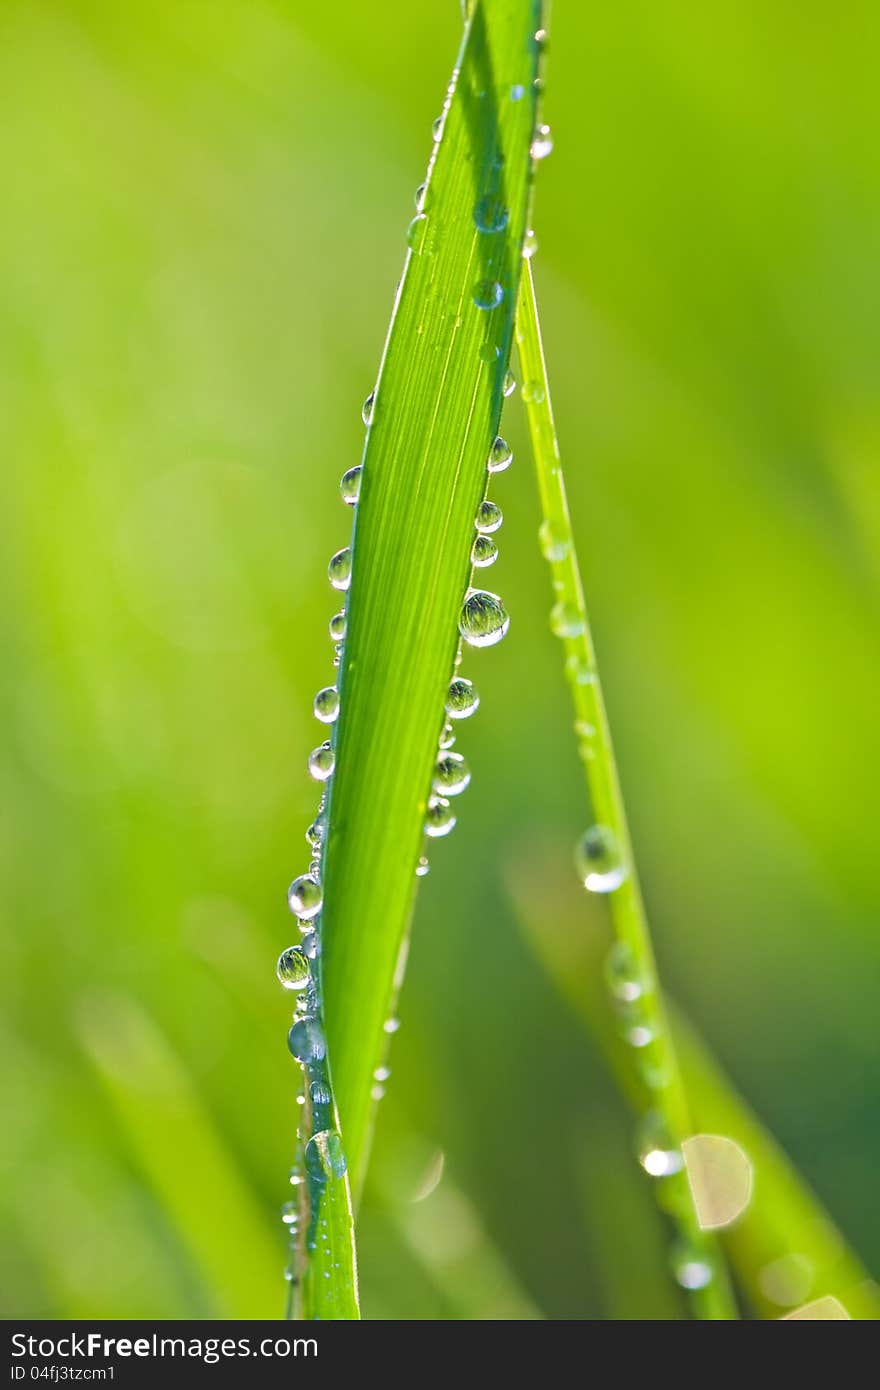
column 542, row 142
column 391, row 1025
column 489, row 517
column 339, row 569
column 509, row 385
column 422, row 197
column 462, row 699
column 490, row 214
column 327, row 704
column 416, row 233
column 422, row 867
column 322, row 762
column 451, row 775
column 324, row 1156
column 311, row 945
column 320, row 1093
column 293, row 968
column 483, row 620
column 338, row 626
column 438, row 126
column 554, row 544
column 304, row 897
column 439, row 818
column 500, row 455
column 566, row 621
column 484, row 552
column 598, row 860
column 350, row 486
column 622, row 975
column 447, row 735
column 487, row 294
column 306, row 1041
column 657, row 1154
column 690, row 1267
column 532, row 392
column 530, row 244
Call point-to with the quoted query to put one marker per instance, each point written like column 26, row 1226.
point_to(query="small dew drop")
column 339, row 569
column 451, row 775
column 320, row 1093
column 484, row 552
column 391, row 1025
column 489, row 353
column 338, row 625
column 293, row 968
column 350, row 487
column 324, row 1156
column 622, row 975
column 566, row 621
column 489, row 517
column 437, row 127
column 509, row 385
column 490, row 214
column 311, row 945
column 483, row 620
column 322, row 762
column 598, row 860
column 315, row 834
column 304, row 897
column 447, row 735
column 416, row 233
column 306, row 1041
column 657, row 1154
column 532, row 392
column 542, row 142
column 487, row 294
column 554, row 544
column 530, row 244
column 462, row 699
column 517, row 92
column 368, row 409
column 290, row 1213
column 422, row 197
column 690, row 1267
column 327, row 704
column 422, row 867
column 439, row 818
column 500, row 455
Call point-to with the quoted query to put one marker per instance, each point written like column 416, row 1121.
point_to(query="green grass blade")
column 784, row 1239
column 437, row 407
column 655, row 1057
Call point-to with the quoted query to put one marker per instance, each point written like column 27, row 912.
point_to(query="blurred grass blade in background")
column 604, row 858
column 431, row 442
column 784, row 1247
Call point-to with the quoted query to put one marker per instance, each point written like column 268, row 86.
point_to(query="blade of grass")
column 784, row 1235
column 431, row 423
column 647, row 1028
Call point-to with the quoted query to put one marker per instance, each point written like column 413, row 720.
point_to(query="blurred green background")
column 204, row 217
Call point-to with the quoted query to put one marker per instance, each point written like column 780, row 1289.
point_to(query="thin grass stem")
column 633, row 977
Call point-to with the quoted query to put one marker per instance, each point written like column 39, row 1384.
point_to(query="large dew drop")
column 599, row 864
column 439, row 818
column 306, row 1041
column 304, row 897
column 327, row 704
column 451, row 774
column 489, row 517
column 462, row 699
column 322, row 762
column 293, row 968
column 488, row 294
column 490, row 214
column 483, row 620
column 339, row 569
column 350, row 487
column 324, row 1156
column 500, row 455
column 484, row 552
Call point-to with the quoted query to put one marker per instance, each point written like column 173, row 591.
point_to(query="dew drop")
column 422, row 197
column 306, row 1041
column 542, row 142
column 339, row 569
column 690, row 1267
column 487, row 294
column 500, row 455
column 290, row 1213
column 416, row 233
column 447, row 735
column 320, row 1093
column 311, row 945
column 566, row 621
column 509, row 385
column 483, row 620
column 293, row 968
column 327, row 704
column 451, row 775
column 439, row 818
column 490, row 214
column 422, row 867
column 484, row 552
column 368, row 409
column 598, row 860
column 322, row 762
column 338, row 626
column 462, row 699
column 657, row 1154
column 554, row 544
column 304, row 897
column 622, row 975
column 391, row 1025
column 315, row 834
column 530, row 244
column 324, row 1156
column 350, row 486
column 532, row 392
column 489, row 517
column 517, row 92
column 437, row 127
